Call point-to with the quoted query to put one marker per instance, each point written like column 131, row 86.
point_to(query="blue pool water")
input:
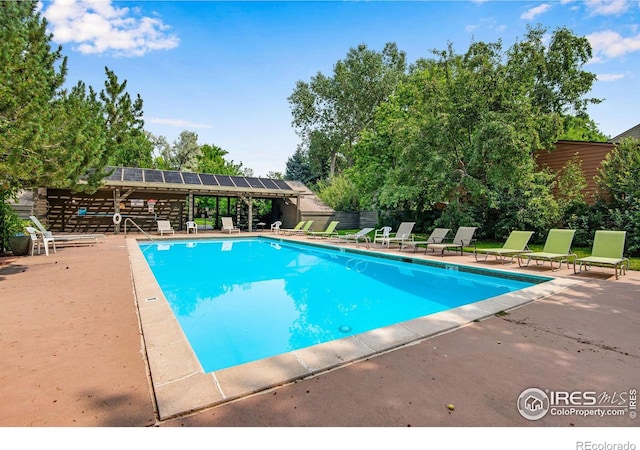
column 241, row 300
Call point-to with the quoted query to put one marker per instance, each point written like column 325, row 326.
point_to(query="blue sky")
column 225, row 69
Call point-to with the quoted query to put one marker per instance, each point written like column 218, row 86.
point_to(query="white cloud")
column 608, row 7
column 177, row 123
column 534, row 12
column 96, row 26
column 485, row 24
column 610, row 77
column 612, row 44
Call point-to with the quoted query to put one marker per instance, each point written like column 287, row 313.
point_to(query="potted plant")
column 12, row 232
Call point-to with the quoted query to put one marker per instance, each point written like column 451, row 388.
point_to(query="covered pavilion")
column 140, row 197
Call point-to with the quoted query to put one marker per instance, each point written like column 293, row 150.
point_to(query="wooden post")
column 250, row 225
column 190, row 207
column 215, row 225
column 116, row 208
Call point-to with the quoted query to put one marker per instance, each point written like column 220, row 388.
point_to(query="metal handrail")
column 128, row 219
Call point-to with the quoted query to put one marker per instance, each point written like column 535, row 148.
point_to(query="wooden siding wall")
column 356, row 220
column 63, row 206
column 590, row 153
column 62, row 212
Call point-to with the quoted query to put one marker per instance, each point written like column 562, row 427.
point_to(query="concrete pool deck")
column 74, row 355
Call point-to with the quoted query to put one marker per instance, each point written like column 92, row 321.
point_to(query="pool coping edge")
column 182, row 388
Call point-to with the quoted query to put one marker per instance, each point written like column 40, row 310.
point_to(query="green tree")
column 274, row 175
column 297, row 167
column 160, row 147
column 582, row 129
column 187, row 154
column 212, row 160
column 618, row 175
column 49, row 136
column 339, row 107
column 340, row 193
column 570, row 184
column 127, row 142
column 183, row 154
column 462, row 129
column 44, row 137
column 618, row 178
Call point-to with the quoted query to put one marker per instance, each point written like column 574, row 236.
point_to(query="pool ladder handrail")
column 129, row 219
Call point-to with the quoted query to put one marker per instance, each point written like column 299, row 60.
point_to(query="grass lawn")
column 634, row 262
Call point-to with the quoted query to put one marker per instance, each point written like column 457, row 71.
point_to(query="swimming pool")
column 245, row 299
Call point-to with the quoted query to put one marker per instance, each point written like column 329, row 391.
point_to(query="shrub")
column 618, row 177
column 340, row 193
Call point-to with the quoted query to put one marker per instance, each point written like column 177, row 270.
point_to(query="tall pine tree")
column 48, row 135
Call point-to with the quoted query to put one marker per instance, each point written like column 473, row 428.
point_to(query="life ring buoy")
column 117, row 218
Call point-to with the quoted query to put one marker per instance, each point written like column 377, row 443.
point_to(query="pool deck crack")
column 580, row 340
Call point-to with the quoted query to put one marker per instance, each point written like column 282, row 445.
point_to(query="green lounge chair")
column 302, row 230
column 464, row 236
column 436, row 237
column 294, row 229
column 516, row 244
column 330, row 231
column 608, row 247
column 556, row 248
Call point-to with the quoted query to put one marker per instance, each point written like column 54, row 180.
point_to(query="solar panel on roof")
column 224, row 180
column 208, row 179
column 136, row 174
column 282, row 185
column 268, row 183
column 153, row 176
column 131, row 174
column 116, row 175
column 240, row 181
column 172, row 177
column 191, row 178
column 255, row 182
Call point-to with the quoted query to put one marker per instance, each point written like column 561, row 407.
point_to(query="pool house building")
column 145, row 196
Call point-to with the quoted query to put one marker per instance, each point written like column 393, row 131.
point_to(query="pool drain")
column 344, row 329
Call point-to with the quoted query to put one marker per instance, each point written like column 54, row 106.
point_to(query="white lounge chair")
column 400, row 237
column 164, row 226
column 62, row 238
column 228, row 226
column 360, row 236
